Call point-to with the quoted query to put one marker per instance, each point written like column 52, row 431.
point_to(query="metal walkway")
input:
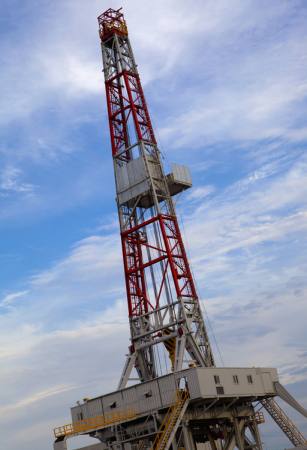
column 284, row 422
column 92, row 423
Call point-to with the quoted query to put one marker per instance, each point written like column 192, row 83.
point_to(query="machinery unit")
column 181, row 399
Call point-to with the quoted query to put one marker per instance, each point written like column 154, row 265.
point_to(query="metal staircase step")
column 171, row 422
column 284, row 422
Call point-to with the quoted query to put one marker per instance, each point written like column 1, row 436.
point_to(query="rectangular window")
column 249, row 379
column 219, row 390
column 235, row 379
column 217, row 379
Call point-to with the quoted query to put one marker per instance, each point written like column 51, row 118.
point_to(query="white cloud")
column 199, row 193
column 37, row 397
column 10, row 298
column 217, row 72
column 72, row 295
column 248, row 90
column 239, row 219
column 248, row 248
column 254, row 210
column 72, row 75
column 63, row 336
column 10, row 182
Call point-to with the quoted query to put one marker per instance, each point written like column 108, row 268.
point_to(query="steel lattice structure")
column 164, row 309
column 188, row 400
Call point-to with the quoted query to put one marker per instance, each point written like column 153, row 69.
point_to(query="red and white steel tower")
column 203, row 404
column 166, row 323
column 211, row 405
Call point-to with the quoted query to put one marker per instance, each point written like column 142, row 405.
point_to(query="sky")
column 226, row 85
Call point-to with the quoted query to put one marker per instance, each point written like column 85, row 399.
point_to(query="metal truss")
column 165, row 317
column 164, row 309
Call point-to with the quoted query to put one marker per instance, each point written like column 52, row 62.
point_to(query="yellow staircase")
column 171, row 421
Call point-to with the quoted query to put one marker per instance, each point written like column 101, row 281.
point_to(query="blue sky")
column 226, row 83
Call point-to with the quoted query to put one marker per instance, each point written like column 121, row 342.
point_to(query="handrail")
column 108, row 419
column 284, row 422
column 169, row 420
column 94, row 422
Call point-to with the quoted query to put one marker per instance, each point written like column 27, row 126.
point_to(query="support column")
column 188, row 439
column 174, row 444
column 253, row 427
column 212, row 441
column 239, row 426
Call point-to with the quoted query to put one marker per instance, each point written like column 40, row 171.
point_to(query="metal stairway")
column 284, row 422
column 171, row 421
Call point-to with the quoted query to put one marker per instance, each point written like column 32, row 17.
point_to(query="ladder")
column 171, row 421
column 284, row 422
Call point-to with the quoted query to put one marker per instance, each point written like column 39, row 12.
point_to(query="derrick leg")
column 129, row 365
column 187, row 437
column 238, row 438
column 254, row 430
column 174, row 445
column 239, row 431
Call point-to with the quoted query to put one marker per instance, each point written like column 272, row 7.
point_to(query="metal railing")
column 92, row 423
column 284, row 422
column 259, row 417
column 170, row 420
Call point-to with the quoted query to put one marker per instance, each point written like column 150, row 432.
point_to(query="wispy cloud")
column 11, row 298
column 11, row 183
column 200, row 193
column 36, row 397
column 226, row 84
column 237, row 105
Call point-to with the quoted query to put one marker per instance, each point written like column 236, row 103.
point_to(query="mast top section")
column 110, row 22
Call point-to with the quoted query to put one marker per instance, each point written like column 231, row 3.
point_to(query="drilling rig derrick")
column 164, row 310
column 187, row 400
